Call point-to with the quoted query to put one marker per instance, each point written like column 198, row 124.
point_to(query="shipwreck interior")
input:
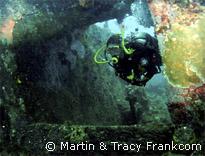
column 51, row 87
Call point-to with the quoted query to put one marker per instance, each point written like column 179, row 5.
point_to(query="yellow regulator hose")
column 98, row 53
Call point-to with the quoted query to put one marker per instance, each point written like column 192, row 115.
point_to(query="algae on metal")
column 183, row 55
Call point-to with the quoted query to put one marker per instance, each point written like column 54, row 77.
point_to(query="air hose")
column 98, row 53
column 128, row 51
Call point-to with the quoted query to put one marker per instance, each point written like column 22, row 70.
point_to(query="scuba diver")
column 136, row 58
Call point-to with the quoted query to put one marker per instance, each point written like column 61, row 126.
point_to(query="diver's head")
column 144, row 61
column 131, row 57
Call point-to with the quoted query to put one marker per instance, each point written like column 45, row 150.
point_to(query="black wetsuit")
column 143, row 63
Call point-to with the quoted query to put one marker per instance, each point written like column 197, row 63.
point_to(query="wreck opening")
column 59, row 81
